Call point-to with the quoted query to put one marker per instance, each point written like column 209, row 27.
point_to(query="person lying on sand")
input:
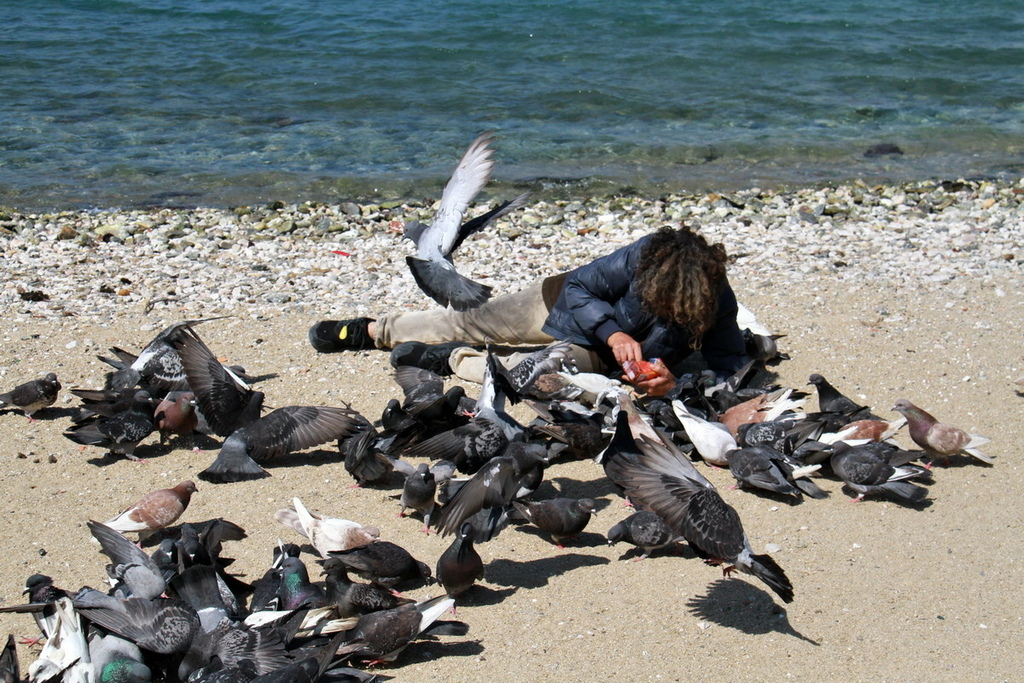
column 663, row 297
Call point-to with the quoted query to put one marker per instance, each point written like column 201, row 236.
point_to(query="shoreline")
column 268, row 259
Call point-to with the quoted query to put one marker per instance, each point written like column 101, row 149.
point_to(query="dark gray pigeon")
column 563, row 518
column 488, row 432
column 657, row 477
column 32, row 396
column 432, row 267
column 116, row 659
column 384, row 564
column 381, row 636
column 763, row 467
column 831, row 400
column 493, row 487
column 877, row 468
column 297, row 591
column 10, row 672
column 285, row 430
column 459, row 566
column 645, row 530
column 353, row 599
column 121, row 432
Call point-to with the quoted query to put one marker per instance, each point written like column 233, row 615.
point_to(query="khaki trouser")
column 508, row 320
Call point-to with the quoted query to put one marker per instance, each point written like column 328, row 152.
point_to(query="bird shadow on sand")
column 432, row 647
column 143, row 453
column 887, row 497
column 480, row 596
column 736, row 604
column 563, row 487
column 46, row 414
column 536, row 573
column 679, row 549
column 583, row 539
column 302, row 459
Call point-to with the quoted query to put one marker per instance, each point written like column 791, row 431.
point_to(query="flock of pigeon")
column 177, row 614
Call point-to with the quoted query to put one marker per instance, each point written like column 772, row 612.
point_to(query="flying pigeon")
column 492, row 488
column 278, row 433
column 938, row 439
column 154, row 511
column 32, row 396
column 645, row 530
column 561, row 517
column 432, row 267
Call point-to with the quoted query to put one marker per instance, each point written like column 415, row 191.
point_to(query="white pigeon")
column 326, row 534
column 711, row 439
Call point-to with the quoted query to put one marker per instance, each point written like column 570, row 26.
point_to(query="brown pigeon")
column 938, row 439
column 155, row 510
column 32, row 396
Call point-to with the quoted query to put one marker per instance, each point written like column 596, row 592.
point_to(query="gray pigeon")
column 561, row 517
column 762, row 467
column 876, row 468
column 420, row 487
column 645, row 530
column 136, row 573
column 116, row 659
column 432, row 267
column 32, row 396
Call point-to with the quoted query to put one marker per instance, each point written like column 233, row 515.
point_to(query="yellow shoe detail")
column 344, row 333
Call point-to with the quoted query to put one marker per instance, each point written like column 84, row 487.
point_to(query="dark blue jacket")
column 598, row 299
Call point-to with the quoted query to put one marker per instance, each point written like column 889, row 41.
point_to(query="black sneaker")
column 433, row 357
column 328, row 336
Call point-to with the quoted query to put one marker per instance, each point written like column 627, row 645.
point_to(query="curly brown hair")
column 678, row 278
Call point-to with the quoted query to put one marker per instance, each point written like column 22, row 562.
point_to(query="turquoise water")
column 220, row 102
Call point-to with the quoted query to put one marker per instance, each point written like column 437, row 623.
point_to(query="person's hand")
column 660, row 384
column 624, row 347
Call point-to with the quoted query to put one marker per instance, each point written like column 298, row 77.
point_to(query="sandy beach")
column 883, row 591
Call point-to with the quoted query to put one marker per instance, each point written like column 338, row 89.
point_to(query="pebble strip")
column 342, row 260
